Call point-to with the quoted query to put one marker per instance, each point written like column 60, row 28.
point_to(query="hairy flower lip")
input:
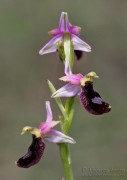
column 33, row 155
column 92, row 101
column 78, row 54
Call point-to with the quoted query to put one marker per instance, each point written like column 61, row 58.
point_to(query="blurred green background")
column 101, row 140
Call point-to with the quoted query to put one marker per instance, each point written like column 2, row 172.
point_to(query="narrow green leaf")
column 58, row 100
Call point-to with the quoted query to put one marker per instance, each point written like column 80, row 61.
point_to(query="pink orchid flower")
column 44, row 132
column 65, row 28
column 80, row 85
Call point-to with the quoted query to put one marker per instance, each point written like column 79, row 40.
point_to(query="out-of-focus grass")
column 101, row 140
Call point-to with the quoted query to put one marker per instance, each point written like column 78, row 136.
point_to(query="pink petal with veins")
column 80, row 44
column 69, row 90
column 45, row 127
column 51, row 45
column 48, row 111
column 55, row 136
column 64, row 22
column 75, row 30
column 54, row 32
column 73, row 79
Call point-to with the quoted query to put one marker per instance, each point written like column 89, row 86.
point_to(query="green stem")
column 67, row 111
column 68, row 49
column 66, row 159
column 64, row 147
column 69, row 108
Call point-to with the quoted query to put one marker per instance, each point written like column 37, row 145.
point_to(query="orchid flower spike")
column 77, row 84
column 56, row 43
column 46, row 133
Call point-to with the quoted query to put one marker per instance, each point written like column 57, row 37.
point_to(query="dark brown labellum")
column 92, row 101
column 78, row 54
column 34, row 154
